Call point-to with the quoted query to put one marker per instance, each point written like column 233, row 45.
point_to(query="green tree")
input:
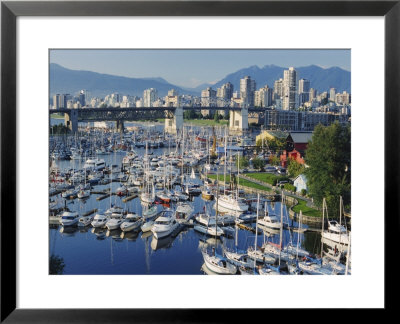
column 243, row 162
column 56, row 264
column 295, row 168
column 216, row 117
column 274, row 160
column 329, row 161
column 258, row 163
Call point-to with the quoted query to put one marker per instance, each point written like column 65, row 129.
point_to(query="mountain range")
column 63, row 80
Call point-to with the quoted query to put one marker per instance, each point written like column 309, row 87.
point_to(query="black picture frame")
column 10, row 10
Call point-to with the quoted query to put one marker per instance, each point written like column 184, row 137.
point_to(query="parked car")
column 282, row 171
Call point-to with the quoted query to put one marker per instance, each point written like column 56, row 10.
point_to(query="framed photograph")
column 170, row 142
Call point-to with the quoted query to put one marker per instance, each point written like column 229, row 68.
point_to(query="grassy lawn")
column 242, row 182
column 266, row 177
column 205, row 122
column 307, row 211
column 57, row 116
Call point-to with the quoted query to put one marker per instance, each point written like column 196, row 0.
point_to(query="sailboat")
column 84, row 192
column 215, row 262
column 336, row 232
column 147, row 196
column 231, row 202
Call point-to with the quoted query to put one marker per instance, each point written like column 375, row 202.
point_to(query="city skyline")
column 191, row 68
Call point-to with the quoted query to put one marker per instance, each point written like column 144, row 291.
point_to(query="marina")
column 140, row 202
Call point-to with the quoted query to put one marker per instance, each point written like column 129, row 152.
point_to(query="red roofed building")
column 296, row 145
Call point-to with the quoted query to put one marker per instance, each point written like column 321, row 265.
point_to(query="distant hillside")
column 64, row 80
column 320, row 78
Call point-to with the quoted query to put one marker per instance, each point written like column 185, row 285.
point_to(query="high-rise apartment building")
column 290, row 89
column 313, row 94
column 208, row 97
column 263, row 97
column 247, row 88
column 149, row 97
column 278, row 89
column 332, row 94
column 304, row 91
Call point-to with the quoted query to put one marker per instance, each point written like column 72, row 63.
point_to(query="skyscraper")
column 224, row 94
column 82, row 98
column 332, row 94
column 149, row 97
column 247, row 88
column 304, row 91
column 278, row 89
column 290, row 89
column 208, row 97
column 263, row 97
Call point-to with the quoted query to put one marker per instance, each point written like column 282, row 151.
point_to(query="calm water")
column 89, row 251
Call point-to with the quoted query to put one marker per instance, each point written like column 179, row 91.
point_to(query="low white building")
column 300, row 183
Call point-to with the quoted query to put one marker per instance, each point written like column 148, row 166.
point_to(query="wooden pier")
column 129, row 198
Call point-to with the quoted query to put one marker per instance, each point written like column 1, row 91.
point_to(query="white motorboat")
column 95, row 164
column 85, row 221
column 270, row 221
column 231, row 203
column 114, row 210
column 183, row 212
column 132, row 221
column 165, row 224
column 115, row 221
column 71, row 193
column 121, row 191
column 99, row 220
column 209, row 230
column 218, row 264
column 147, row 226
column 69, row 218
column 336, row 233
column 150, row 212
column 83, row 193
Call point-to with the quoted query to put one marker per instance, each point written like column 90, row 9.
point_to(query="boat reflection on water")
column 68, row 230
column 210, row 241
column 165, row 242
column 114, row 234
column 130, row 236
column 207, row 271
column 146, row 234
column 99, row 232
column 84, row 229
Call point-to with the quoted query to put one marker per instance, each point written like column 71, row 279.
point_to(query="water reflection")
column 68, row 230
column 165, row 242
column 130, row 236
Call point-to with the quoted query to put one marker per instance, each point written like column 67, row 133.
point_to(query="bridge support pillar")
column 173, row 125
column 120, row 126
column 71, row 120
column 238, row 120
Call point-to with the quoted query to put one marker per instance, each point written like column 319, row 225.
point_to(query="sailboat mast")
column 348, row 255
column 255, row 241
column 237, row 182
column 225, row 161
column 323, row 223
column 280, row 234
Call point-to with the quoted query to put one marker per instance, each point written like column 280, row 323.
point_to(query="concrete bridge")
column 238, row 120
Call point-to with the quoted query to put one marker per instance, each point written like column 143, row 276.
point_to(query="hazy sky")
column 190, row 68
